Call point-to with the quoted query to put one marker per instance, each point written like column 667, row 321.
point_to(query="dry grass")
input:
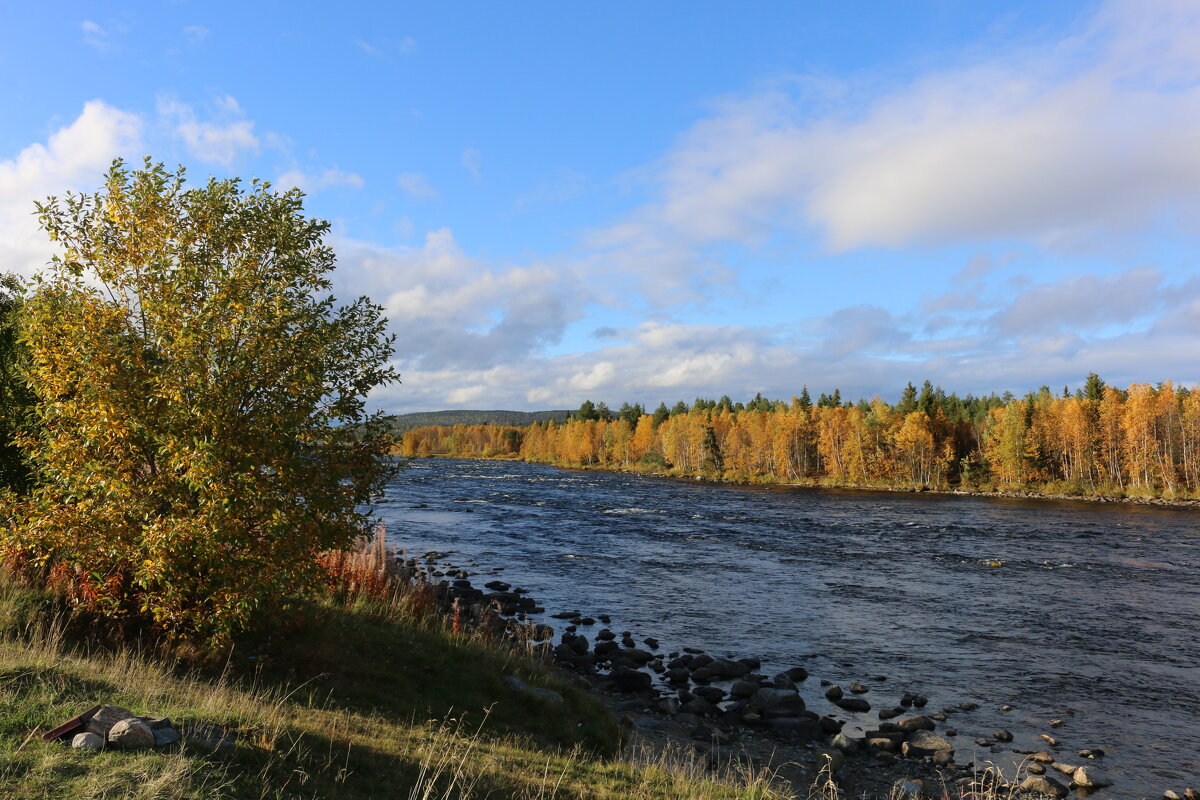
column 381, row 696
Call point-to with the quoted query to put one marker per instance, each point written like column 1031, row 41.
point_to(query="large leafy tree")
column 201, row 401
column 16, row 400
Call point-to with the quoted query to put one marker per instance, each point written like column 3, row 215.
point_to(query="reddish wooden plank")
column 70, row 726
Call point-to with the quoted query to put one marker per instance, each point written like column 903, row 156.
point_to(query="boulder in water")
column 1042, row 785
column 856, row 704
column 918, row 723
column 924, row 743
column 630, row 680
column 1090, row 778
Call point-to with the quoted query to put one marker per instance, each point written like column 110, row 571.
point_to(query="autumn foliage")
column 1143, row 441
column 199, row 438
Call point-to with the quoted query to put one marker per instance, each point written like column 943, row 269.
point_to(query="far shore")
column 1011, row 494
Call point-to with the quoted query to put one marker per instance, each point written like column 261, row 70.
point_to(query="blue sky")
column 654, row 201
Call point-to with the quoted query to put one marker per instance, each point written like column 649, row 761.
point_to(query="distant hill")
column 406, row 422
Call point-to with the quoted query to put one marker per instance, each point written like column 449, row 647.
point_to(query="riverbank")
column 826, row 484
column 1060, row 611
column 359, row 700
column 739, row 719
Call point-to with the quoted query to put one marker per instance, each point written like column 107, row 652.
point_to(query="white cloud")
column 597, row 376
column 1054, row 144
column 415, row 185
column 403, row 227
column 472, row 159
column 451, row 311
column 1086, row 302
column 217, row 142
column 72, row 158
column 1130, row 326
column 96, row 36
column 309, row 183
column 195, row 34
column 404, row 45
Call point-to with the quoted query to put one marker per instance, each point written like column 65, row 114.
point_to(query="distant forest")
column 1142, row 441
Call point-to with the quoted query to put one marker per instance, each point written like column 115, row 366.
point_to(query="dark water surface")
column 1092, row 617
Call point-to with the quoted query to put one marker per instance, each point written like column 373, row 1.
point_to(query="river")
column 1091, row 617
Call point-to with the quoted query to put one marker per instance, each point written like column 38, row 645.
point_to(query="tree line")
column 1099, row 440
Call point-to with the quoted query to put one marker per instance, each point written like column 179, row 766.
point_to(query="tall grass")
column 383, row 695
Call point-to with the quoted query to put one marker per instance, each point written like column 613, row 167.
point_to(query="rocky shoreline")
column 875, row 741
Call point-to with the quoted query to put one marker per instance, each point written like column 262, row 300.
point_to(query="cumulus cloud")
column 1085, row 302
column 861, row 350
column 220, row 140
column 72, row 158
column 453, row 312
column 1050, row 144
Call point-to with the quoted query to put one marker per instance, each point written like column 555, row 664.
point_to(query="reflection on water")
column 1090, row 616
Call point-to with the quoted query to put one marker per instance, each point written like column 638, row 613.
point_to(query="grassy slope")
column 363, row 703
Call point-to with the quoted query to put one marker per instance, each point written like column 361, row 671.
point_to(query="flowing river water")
column 1091, row 617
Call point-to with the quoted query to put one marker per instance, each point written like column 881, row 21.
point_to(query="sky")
column 645, row 202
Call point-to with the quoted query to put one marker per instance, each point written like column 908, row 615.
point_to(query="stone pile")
column 119, row 728
column 116, row 728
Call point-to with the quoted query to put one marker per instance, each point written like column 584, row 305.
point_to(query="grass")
column 368, row 698
column 374, row 693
